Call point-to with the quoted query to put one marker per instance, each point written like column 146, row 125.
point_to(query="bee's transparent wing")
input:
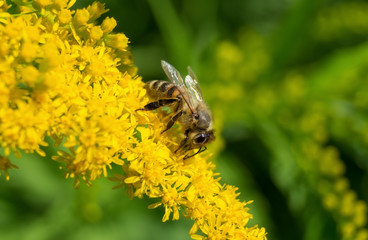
column 192, row 86
column 175, row 77
column 173, row 74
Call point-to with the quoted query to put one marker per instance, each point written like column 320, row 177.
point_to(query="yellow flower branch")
column 64, row 76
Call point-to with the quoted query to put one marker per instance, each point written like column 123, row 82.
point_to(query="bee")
column 188, row 107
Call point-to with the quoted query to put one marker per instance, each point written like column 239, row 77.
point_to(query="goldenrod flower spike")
column 66, row 77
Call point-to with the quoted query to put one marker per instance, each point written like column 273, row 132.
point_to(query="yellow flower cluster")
column 329, row 179
column 334, row 188
column 190, row 185
column 66, row 77
column 60, row 78
column 285, row 112
column 341, row 20
column 350, row 212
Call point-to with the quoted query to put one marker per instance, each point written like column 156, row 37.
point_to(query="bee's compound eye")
column 201, row 138
column 196, row 116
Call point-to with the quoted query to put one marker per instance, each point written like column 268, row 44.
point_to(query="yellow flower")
column 108, row 25
column 4, row 49
column 23, row 127
column 30, row 75
column 118, row 41
column 32, row 33
column 28, row 51
column 95, row 33
column 60, row 4
column 96, row 10
column 171, row 199
column 4, row 94
column 81, row 17
column 13, row 28
column 65, row 16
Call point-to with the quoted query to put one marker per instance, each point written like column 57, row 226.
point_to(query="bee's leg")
column 179, row 105
column 160, row 103
column 184, row 141
column 173, row 120
column 199, row 151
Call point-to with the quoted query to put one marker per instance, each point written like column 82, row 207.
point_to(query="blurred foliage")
column 286, row 82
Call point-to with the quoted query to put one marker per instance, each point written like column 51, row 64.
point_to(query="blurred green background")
column 286, row 80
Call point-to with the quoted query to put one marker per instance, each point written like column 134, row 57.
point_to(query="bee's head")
column 199, row 139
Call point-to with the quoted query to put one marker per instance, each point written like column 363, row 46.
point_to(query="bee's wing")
column 192, row 86
column 173, row 74
column 175, row 77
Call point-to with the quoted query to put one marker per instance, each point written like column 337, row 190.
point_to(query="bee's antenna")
column 199, row 151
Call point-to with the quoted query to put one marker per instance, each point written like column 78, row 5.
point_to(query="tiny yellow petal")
column 197, row 237
column 71, row 3
column 133, row 179
column 154, row 205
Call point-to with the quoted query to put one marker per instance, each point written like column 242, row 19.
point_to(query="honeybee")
column 188, row 107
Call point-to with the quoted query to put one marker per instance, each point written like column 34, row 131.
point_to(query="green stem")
column 175, row 34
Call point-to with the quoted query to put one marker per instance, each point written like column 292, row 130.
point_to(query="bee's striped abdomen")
column 171, row 91
column 162, row 89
